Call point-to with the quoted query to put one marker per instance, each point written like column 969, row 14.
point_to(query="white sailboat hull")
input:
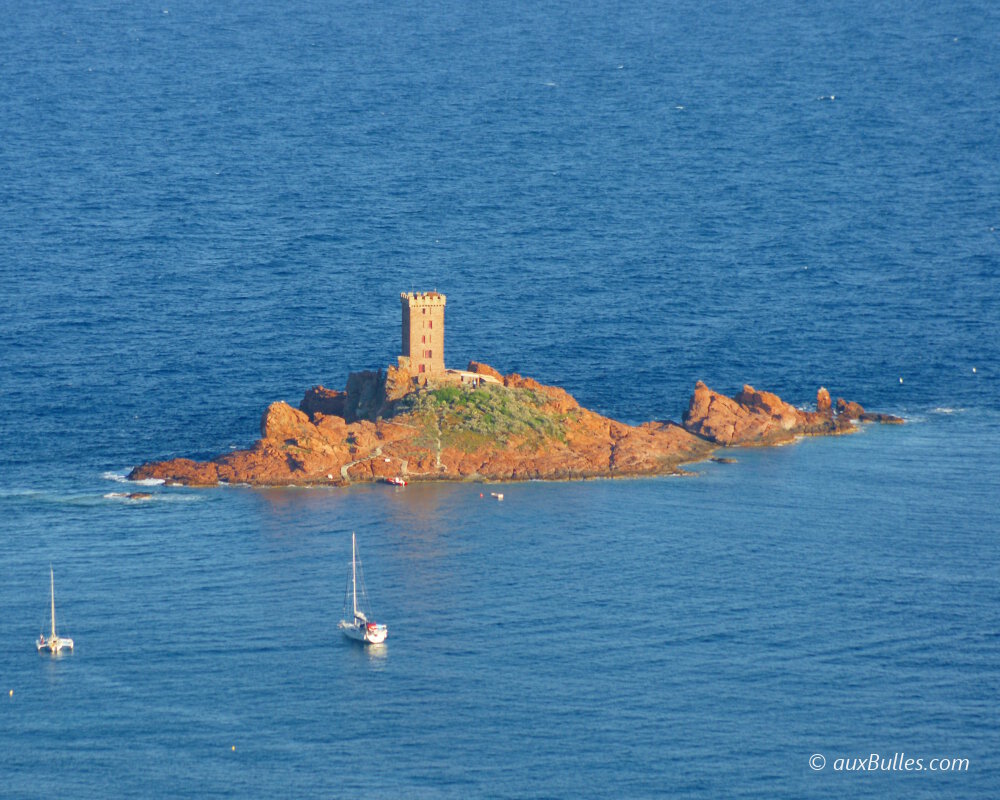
column 54, row 645
column 370, row 634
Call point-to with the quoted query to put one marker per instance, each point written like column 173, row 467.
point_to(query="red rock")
column 752, row 417
column 398, row 382
column 281, row 421
column 850, row 410
column 484, row 369
column 823, row 400
column 179, row 470
column 515, row 381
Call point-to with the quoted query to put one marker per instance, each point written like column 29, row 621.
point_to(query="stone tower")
column 423, row 332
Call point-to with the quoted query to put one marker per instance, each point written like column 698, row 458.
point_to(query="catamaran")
column 54, row 642
column 360, row 627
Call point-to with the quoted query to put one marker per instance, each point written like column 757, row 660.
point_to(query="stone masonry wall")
column 423, row 332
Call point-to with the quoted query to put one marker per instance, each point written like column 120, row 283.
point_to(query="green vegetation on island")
column 468, row 417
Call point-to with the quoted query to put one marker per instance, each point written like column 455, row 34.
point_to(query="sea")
column 209, row 207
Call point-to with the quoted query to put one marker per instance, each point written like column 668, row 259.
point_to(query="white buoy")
column 973, row 369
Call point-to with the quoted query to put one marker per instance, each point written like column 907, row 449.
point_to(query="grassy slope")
column 471, row 418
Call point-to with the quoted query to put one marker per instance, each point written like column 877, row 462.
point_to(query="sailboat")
column 54, row 642
column 360, row 628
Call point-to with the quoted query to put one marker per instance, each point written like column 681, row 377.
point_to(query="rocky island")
column 421, row 421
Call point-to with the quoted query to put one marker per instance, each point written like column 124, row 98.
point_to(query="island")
column 419, row 421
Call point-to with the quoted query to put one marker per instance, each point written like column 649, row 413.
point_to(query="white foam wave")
column 126, row 496
column 56, row 497
column 119, row 477
column 157, row 497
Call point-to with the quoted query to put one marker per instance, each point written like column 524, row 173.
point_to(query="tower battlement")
column 423, row 332
column 422, row 298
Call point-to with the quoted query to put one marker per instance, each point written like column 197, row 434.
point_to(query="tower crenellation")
column 423, row 332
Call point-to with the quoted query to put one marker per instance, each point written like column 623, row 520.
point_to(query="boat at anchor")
column 54, row 643
column 359, row 626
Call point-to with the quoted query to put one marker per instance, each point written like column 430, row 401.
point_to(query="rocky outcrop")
column 850, row 410
column 320, row 400
column 484, row 369
column 398, row 384
column 753, row 417
column 750, row 417
column 391, row 424
column 856, row 411
column 823, row 400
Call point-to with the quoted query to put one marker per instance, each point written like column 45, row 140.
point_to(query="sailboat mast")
column 52, row 586
column 354, row 581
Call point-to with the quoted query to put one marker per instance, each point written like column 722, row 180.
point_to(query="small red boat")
column 397, row 481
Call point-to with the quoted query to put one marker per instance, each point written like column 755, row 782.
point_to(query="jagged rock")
column 281, row 421
column 179, row 470
column 320, row 400
column 484, row 369
column 823, row 400
column 398, row 383
column 515, row 381
column 851, row 410
column 753, row 417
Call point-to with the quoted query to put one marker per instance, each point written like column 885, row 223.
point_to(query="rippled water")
column 206, row 210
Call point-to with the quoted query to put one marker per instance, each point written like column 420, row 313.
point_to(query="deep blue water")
column 203, row 210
